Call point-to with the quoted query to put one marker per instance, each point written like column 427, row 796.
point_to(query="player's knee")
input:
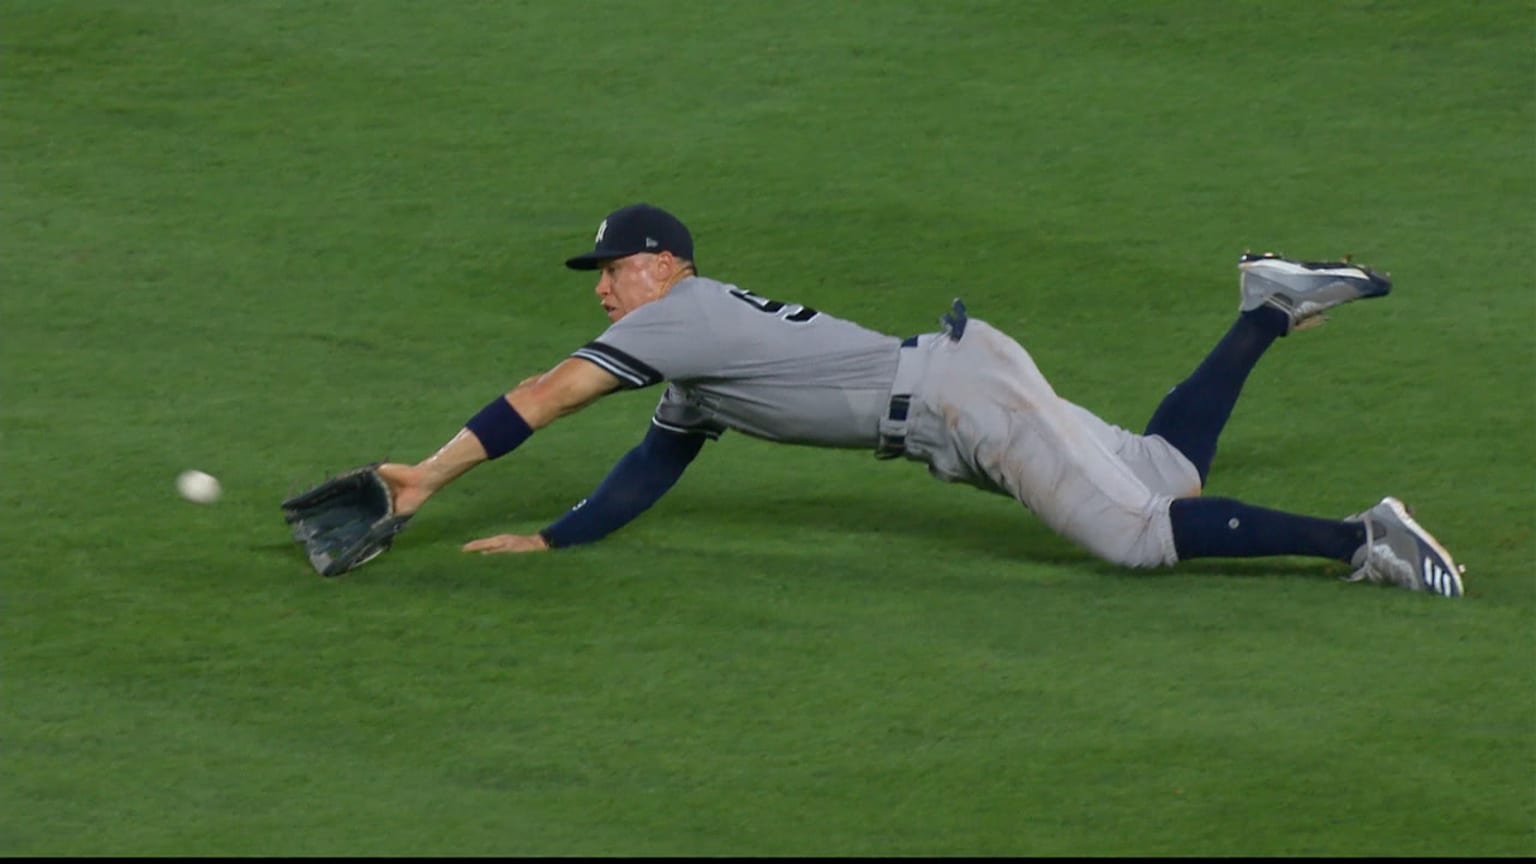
column 1139, row 546
column 1132, row 557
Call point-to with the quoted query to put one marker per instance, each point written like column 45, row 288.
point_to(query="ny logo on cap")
column 651, row 244
column 600, row 229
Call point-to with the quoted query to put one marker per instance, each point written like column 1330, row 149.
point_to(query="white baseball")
column 197, row 487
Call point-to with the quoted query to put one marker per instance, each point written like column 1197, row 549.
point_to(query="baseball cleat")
column 1398, row 551
column 1304, row 289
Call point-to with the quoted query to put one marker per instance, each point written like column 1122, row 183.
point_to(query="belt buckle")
column 894, row 443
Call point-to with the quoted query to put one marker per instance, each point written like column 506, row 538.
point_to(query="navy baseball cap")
column 632, row 229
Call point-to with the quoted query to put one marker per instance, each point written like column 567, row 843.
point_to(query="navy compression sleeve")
column 635, row 483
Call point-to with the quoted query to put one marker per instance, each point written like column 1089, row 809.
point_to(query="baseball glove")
column 346, row 521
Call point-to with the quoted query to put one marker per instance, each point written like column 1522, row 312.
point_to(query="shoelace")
column 1365, row 571
column 1375, row 569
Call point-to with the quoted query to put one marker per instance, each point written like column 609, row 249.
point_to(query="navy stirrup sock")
column 1195, row 411
column 1224, row 528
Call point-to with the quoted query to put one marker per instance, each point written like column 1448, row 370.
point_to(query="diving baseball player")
column 967, row 401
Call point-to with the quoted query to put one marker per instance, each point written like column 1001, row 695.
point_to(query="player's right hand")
column 408, row 484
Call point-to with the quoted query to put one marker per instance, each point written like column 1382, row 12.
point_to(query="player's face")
column 626, row 284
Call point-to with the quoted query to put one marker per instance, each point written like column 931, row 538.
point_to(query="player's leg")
column 1383, row 543
column 1278, row 296
column 1161, row 466
column 1113, row 497
column 986, row 416
column 1194, row 413
column 1225, row 528
column 1110, row 498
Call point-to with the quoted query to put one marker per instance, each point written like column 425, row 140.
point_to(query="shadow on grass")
column 276, row 549
column 955, row 519
column 989, row 525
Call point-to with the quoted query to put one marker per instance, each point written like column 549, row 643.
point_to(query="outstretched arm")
column 637, row 481
column 499, row 428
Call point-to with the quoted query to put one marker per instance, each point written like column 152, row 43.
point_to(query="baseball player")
column 967, row 401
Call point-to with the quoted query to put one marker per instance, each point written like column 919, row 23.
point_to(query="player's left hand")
column 507, row 543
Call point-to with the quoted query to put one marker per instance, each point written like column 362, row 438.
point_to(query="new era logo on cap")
column 633, row 229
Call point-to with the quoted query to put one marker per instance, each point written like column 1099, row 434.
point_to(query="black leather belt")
column 895, row 444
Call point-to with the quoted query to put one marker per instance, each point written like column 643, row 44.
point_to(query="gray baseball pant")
column 982, row 413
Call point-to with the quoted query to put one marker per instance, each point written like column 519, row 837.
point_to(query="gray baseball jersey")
column 981, row 412
column 735, row 360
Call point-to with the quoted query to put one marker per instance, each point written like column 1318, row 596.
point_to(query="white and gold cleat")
column 1305, row 289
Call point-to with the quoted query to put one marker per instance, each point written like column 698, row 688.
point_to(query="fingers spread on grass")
column 506, row 543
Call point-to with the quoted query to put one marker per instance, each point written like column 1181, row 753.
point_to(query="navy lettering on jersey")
column 740, row 361
column 793, row 312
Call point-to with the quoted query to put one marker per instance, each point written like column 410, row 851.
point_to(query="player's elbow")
column 565, row 389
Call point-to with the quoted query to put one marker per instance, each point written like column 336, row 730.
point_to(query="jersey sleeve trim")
column 709, row 432
column 632, row 372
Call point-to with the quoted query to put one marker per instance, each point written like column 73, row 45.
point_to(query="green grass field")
column 273, row 239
